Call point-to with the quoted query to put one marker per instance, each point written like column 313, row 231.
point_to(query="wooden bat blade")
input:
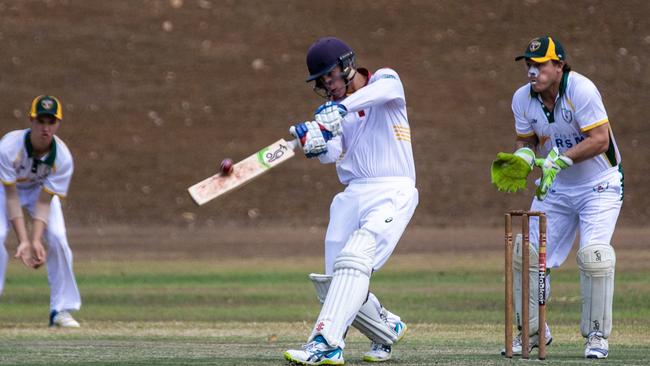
column 243, row 172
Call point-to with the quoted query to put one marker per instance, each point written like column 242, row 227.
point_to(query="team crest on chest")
column 567, row 115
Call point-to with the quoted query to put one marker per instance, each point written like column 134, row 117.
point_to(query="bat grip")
column 294, row 144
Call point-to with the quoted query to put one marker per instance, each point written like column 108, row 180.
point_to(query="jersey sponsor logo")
column 567, row 115
column 567, row 142
column 387, row 76
column 390, row 219
column 533, row 121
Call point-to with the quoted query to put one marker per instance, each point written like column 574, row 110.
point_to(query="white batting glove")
column 330, row 115
column 312, row 136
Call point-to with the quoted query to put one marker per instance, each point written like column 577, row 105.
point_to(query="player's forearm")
column 334, row 149
column 529, row 142
column 380, row 92
column 18, row 224
column 15, row 212
column 587, row 149
column 37, row 230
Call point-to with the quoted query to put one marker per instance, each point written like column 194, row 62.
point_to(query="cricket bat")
column 243, row 172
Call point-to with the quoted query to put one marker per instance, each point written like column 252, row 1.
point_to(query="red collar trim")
column 366, row 73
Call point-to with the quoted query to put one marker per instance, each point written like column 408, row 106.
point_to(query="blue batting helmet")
column 327, row 53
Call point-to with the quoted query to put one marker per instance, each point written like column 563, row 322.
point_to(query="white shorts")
column 383, row 206
column 591, row 207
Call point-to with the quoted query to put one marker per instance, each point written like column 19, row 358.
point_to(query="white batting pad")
column 533, row 284
column 322, row 284
column 597, row 263
column 372, row 322
column 349, row 288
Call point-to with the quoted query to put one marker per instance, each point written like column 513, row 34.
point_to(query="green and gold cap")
column 543, row 49
column 46, row 105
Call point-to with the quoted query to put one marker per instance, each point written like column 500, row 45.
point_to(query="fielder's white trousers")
column 383, row 206
column 64, row 294
column 590, row 208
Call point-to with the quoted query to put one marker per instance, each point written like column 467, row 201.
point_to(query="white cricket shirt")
column 53, row 171
column 376, row 139
column 578, row 109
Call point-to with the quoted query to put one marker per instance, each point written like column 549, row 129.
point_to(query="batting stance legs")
column 366, row 222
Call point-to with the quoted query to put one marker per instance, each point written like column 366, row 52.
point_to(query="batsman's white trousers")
column 383, row 206
column 591, row 208
column 64, row 294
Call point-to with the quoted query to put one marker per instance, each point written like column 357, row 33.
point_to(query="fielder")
column 560, row 115
column 364, row 130
column 35, row 170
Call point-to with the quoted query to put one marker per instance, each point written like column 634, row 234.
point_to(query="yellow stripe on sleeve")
column 53, row 193
column 526, row 134
column 594, row 125
column 8, row 184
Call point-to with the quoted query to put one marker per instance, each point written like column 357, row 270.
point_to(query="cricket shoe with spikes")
column 316, row 352
column 533, row 342
column 382, row 352
column 62, row 319
column 596, row 346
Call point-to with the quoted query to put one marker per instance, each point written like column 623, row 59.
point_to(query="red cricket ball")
column 226, row 166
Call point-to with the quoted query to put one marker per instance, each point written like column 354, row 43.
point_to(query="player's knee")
column 596, row 258
column 358, row 253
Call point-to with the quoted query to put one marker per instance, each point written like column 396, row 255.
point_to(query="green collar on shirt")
column 51, row 156
column 563, row 83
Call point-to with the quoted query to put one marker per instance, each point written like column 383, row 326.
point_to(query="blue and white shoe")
column 596, row 346
column 382, row 352
column 62, row 319
column 316, row 352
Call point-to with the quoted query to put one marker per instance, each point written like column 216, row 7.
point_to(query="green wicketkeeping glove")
column 509, row 171
column 553, row 163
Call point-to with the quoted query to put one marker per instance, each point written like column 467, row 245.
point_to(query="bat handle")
column 294, row 144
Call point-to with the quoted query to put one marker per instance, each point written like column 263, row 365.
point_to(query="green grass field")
column 248, row 312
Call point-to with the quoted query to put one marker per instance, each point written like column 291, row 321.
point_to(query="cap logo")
column 534, row 45
column 47, row 104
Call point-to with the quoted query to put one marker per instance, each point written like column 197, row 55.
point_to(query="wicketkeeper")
column 562, row 127
column 364, row 130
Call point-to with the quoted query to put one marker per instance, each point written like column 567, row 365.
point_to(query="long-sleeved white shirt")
column 376, row 138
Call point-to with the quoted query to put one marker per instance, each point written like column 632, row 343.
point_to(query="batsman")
column 563, row 128
column 363, row 129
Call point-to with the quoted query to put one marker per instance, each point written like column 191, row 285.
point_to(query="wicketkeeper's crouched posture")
column 365, row 131
column 560, row 114
column 35, row 170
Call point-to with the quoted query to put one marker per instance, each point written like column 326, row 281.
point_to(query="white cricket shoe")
column 382, row 352
column 533, row 342
column 316, row 352
column 62, row 319
column 596, row 346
